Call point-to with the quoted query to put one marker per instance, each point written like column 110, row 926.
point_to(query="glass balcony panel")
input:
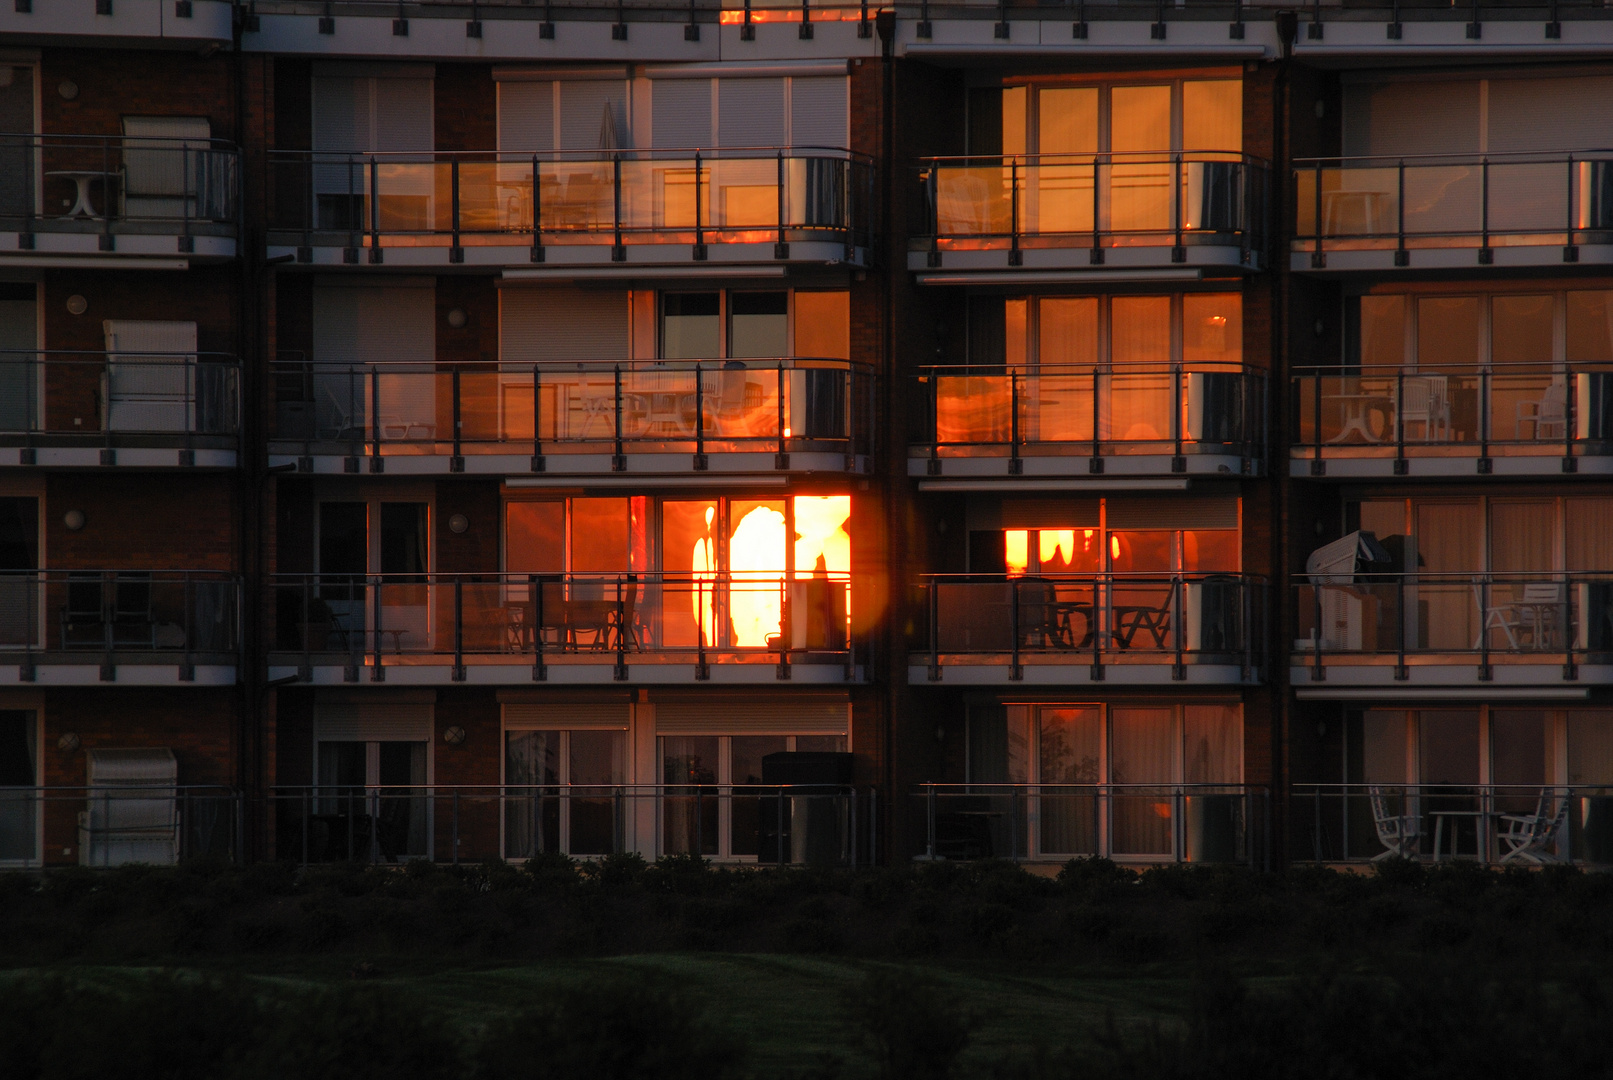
column 973, row 200
column 481, row 395
column 741, row 401
column 1528, row 197
column 486, row 204
column 576, row 196
column 1137, row 407
column 659, row 404
column 973, row 409
column 1058, row 197
column 974, row 616
column 1443, row 200
column 744, row 193
column 1356, row 201
column 1140, row 196
column 1057, row 408
column 1528, row 407
column 406, row 194
column 817, row 403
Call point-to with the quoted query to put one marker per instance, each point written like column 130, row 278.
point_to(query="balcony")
column 132, row 627
column 1492, row 824
column 647, row 419
column 1098, row 217
column 1137, row 823
column 159, row 203
column 1534, row 420
column 1059, row 630
column 1508, row 211
column 187, row 24
column 723, row 627
column 1090, row 424
column 1452, row 635
column 758, row 824
column 134, row 410
column 589, row 214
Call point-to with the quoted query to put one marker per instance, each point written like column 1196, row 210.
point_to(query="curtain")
column 1212, row 744
column 1069, row 751
column 1590, row 746
column 531, row 822
column 689, row 809
column 1141, row 752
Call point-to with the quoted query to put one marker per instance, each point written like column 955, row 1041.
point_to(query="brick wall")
column 466, row 107
column 474, row 763
column 183, row 522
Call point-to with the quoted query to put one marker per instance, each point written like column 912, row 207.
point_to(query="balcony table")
column 83, row 178
column 1357, row 410
column 1480, row 817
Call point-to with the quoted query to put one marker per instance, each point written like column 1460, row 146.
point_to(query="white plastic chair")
column 1549, row 415
column 1423, row 401
column 1525, row 837
column 1399, row 834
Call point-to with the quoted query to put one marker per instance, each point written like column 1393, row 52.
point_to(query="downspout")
column 885, row 26
column 1287, row 23
column 248, row 744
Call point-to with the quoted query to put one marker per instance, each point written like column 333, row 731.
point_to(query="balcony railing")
column 1509, row 824
column 773, row 406
column 52, row 615
column 1548, row 618
column 1104, row 410
column 116, row 185
column 1105, row 618
column 1098, row 201
column 771, row 195
column 1165, row 822
column 63, row 398
column 768, row 824
column 1453, row 201
column 540, row 619
column 153, row 823
column 1516, row 408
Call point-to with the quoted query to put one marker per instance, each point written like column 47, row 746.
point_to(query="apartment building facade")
column 802, row 434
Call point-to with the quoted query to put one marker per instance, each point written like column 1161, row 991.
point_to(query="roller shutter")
column 537, row 324
column 374, row 721
column 525, row 117
column 1411, row 118
column 615, row 716
column 593, row 115
column 1527, row 115
column 818, row 112
column 750, row 112
column 1174, row 512
column 680, row 113
column 755, row 716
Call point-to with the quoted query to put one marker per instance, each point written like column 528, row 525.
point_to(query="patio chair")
column 1533, row 616
column 84, row 610
column 1549, row 415
column 1400, row 834
column 1524, row 838
column 1423, row 401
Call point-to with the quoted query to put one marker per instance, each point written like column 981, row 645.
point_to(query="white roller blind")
column 374, row 323
column 373, row 721
column 342, row 115
column 750, row 112
column 593, row 115
column 818, row 112
column 525, row 116
column 354, row 115
column 403, row 116
column 1535, row 115
column 148, row 382
column 1412, row 118
column 562, row 324
column 1174, row 512
column 1051, row 514
column 171, row 340
column 755, row 716
column 680, row 113
column 560, row 717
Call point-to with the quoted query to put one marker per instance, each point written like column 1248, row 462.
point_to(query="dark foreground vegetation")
column 1174, row 974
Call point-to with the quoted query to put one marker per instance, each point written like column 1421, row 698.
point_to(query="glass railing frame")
column 1179, row 444
column 1250, row 229
column 856, row 193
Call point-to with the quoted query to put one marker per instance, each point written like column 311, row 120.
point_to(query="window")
column 19, row 773
column 364, row 799
column 717, row 572
column 754, row 324
column 1157, row 116
column 568, row 805
column 167, row 171
column 1147, row 752
column 708, row 809
column 357, row 115
column 1118, row 535
column 378, row 545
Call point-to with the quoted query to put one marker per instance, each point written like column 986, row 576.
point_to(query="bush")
column 618, row 1030
column 915, row 1028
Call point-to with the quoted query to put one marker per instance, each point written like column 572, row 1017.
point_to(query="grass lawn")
column 788, row 1009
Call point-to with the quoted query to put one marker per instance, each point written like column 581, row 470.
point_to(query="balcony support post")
column 1570, row 246
column 375, row 212
column 187, row 667
column 1179, row 392
column 1486, row 389
column 618, row 461
column 456, row 463
column 1015, row 671
column 932, row 467
column 456, row 254
column 107, row 241
column 378, row 672
column 1095, row 462
column 1318, row 466
column 1078, row 29
column 1570, row 668
column 781, row 247
column 781, row 459
column 1570, row 421
column 1178, row 210
column 538, row 464
column 458, row 674
column 534, row 586
column 699, row 252
column 1401, row 674
column 1178, row 631
column 377, row 463
column 622, row 584
column 1318, row 672
column 1401, row 466
column 1318, row 256
column 1486, row 253
column 1099, row 621
column 702, row 671
column 1486, row 594
column 537, row 208
column 186, row 243
column 1095, row 257
column 932, row 182
column 618, row 252
column 1402, row 256
column 1015, row 465
column 306, row 671
column 700, row 462
column 1015, row 256
column 935, row 631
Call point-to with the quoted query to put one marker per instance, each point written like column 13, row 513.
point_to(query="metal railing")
column 186, row 612
column 1101, row 200
column 1165, row 822
column 124, row 398
column 696, row 406
column 118, row 184
column 777, row 824
column 1522, row 824
column 111, row 824
column 1114, row 409
column 696, row 617
column 1558, row 617
column 761, row 195
column 1454, row 200
column 1183, row 618
column 1557, row 408
column 692, row 12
